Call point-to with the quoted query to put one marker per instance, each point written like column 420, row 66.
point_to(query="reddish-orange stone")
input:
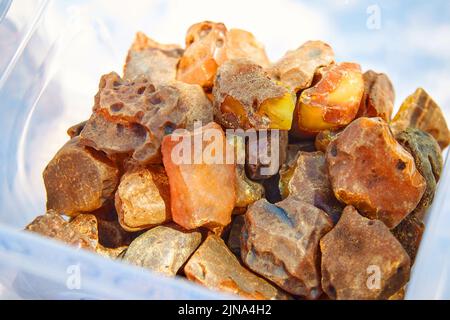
column 370, row 170
column 202, row 194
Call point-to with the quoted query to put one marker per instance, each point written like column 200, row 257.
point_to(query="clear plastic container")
column 50, row 65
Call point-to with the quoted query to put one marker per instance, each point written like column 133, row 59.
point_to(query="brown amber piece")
column 297, row 67
column 307, row 179
column 428, row 159
column 324, row 138
column 143, row 198
column 112, row 235
column 205, row 51
column 409, row 234
column 152, row 60
column 214, row 266
column 281, row 243
column 361, row 259
column 75, row 130
column 234, row 238
column 202, row 193
column 379, row 96
column 370, row 170
column 420, row 111
column 163, row 249
column 332, row 102
column 245, row 97
column 266, row 154
column 79, row 179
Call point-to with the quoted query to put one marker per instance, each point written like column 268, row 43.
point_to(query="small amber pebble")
column 143, row 198
column 202, row 194
column 281, row 243
column 370, row 170
column 361, row 259
column 214, row 266
column 420, row 111
column 79, row 179
column 333, row 101
column 379, row 96
column 296, row 68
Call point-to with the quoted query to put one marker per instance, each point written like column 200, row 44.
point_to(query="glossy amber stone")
column 79, row 179
column 421, row 112
column 202, row 194
column 361, row 259
column 143, row 198
column 296, row 68
column 281, row 243
column 214, row 266
column 332, row 102
column 370, row 170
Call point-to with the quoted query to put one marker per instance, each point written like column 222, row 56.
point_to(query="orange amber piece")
column 370, row 170
column 202, row 193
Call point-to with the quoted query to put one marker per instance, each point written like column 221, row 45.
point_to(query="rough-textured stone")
column 281, row 243
column 379, row 96
column 420, row 111
column 75, row 130
column 163, row 249
column 245, row 97
column 355, row 253
column 332, row 103
column 79, row 179
column 428, row 158
column 214, row 266
column 202, row 194
column 307, row 179
column 370, row 170
column 143, row 198
column 243, row 44
column 409, row 233
column 297, row 67
column 156, row 62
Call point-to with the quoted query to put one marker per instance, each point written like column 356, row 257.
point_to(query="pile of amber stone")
column 340, row 218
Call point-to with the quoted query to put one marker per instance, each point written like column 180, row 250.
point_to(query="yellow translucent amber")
column 280, row 111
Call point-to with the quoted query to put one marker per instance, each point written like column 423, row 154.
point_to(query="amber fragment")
column 281, row 243
column 242, row 44
column 379, row 96
column 163, row 249
column 324, row 138
column 428, row 158
column 234, row 238
column 143, row 198
column 372, row 171
column 361, row 259
column 266, row 154
column 297, row 67
column 75, row 130
column 409, row 234
column 112, row 235
column 420, row 111
column 156, row 62
column 245, row 97
column 214, row 266
column 307, row 179
column 399, row 295
column 79, row 179
column 332, row 102
column 202, row 193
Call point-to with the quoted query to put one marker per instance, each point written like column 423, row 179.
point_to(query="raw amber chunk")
column 156, row 62
column 379, row 96
column 361, row 259
column 243, row 44
column 281, row 243
column 79, row 179
column 372, row 171
column 297, row 67
column 202, row 194
column 333, row 101
column 245, row 97
column 75, row 130
column 265, row 156
column 234, row 238
column 409, row 234
column 420, row 111
column 307, row 179
column 163, row 249
column 214, row 266
column 143, row 198
column 428, row 159
column 205, row 51
column 324, row 138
